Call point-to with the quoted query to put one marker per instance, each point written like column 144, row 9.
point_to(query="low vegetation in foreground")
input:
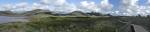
column 63, row 24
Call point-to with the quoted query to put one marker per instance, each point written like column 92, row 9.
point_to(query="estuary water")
column 7, row 19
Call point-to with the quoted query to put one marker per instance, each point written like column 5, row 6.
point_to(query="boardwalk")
column 139, row 28
column 132, row 27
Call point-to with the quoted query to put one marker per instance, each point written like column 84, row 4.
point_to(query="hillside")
column 49, row 12
column 77, row 21
column 63, row 24
column 73, row 24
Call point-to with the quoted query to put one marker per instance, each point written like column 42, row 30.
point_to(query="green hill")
column 62, row 24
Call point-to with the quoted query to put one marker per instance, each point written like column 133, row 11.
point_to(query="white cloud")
column 39, row 6
column 61, row 6
column 21, row 7
column 53, row 2
column 132, row 8
column 47, row 1
column 128, row 7
column 61, row 2
column 148, row 2
column 86, row 6
column 58, row 5
column 130, row 2
column 36, row 5
column 105, row 7
column 91, row 6
column 6, row 7
column 105, row 4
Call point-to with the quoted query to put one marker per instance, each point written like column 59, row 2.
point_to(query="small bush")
column 64, row 24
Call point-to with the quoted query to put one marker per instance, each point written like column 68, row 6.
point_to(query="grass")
column 63, row 24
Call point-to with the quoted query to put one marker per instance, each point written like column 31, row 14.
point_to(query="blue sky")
column 142, row 2
column 131, row 9
column 16, row 1
column 77, row 2
column 114, row 2
column 32, row 1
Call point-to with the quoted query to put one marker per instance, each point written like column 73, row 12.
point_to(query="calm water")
column 6, row 19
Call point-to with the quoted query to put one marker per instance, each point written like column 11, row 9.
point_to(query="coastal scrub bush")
column 62, row 24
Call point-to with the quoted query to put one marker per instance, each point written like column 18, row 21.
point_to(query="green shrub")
column 66, row 24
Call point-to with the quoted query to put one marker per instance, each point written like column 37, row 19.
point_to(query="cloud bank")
column 126, row 8
column 132, row 8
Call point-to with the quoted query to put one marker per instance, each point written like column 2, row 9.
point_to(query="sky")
column 114, row 7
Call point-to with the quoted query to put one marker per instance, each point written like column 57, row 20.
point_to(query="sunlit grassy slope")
column 64, row 24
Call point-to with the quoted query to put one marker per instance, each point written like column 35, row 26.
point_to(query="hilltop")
column 48, row 12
